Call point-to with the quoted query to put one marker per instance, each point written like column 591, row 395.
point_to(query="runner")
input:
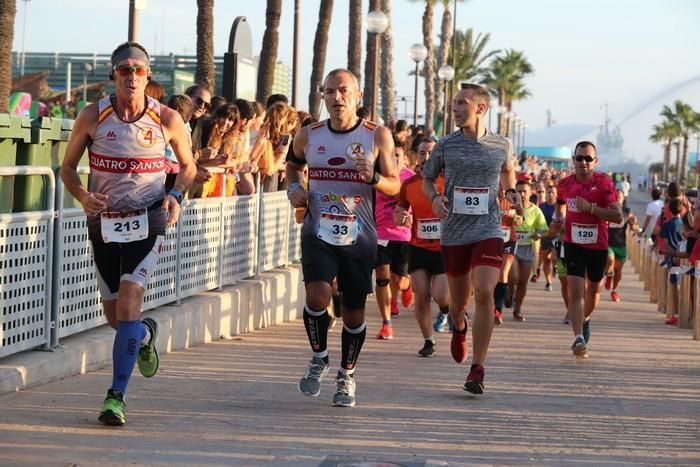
column 127, row 207
column 589, row 199
column 339, row 237
column 617, row 247
column 529, row 231
column 424, row 260
column 547, row 256
column 391, row 265
column 474, row 161
column 509, row 220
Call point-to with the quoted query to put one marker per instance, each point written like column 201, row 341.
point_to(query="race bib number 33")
column 584, row 234
column 120, row 227
column 471, row 201
column 338, row 229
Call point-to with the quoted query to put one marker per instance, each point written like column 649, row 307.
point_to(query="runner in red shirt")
column 590, row 200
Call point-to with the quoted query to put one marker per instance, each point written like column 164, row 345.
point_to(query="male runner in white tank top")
column 127, row 207
column 348, row 158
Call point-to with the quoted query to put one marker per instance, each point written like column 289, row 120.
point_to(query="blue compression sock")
column 124, row 353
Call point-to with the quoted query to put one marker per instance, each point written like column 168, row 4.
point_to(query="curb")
column 272, row 298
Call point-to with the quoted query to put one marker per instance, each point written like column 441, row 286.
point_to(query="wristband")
column 435, row 195
column 177, row 194
column 375, row 178
column 293, row 187
column 511, row 190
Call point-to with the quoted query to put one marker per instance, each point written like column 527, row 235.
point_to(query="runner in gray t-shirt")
column 475, row 161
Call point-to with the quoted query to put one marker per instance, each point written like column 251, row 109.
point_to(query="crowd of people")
column 445, row 220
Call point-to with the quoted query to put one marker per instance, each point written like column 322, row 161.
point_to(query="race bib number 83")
column 471, row 201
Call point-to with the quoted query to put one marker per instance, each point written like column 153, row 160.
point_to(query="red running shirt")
column 582, row 228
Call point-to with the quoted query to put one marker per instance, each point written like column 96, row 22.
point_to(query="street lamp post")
column 418, row 53
column 445, row 73
column 87, row 68
column 377, row 22
column 515, row 136
column 523, row 127
column 24, row 34
column 677, row 141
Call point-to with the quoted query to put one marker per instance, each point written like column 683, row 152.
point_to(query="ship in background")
column 610, row 140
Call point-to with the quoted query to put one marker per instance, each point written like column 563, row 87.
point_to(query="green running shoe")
column 113, row 409
column 148, row 359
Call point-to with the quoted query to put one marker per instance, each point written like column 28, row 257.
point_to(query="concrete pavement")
column 235, row 402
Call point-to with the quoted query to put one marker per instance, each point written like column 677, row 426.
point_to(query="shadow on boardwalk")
column 635, row 401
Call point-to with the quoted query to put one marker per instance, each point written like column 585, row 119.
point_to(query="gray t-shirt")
column 472, row 175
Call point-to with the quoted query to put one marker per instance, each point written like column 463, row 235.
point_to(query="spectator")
column 672, row 233
column 222, row 150
column 364, row 112
column 273, row 143
column 183, row 105
column 216, row 102
column 275, row 98
column 653, row 212
column 155, row 90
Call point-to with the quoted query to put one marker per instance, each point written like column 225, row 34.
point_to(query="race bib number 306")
column 429, row 229
column 126, row 227
column 338, row 229
column 584, row 234
column 471, row 201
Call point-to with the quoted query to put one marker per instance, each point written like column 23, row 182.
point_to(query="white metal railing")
column 48, row 289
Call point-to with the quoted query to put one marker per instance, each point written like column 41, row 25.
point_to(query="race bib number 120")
column 126, row 227
column 471, row 201
column 584, row 234
column 338, row 229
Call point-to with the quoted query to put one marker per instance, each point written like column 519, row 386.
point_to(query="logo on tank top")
column 354, row 150
column 321, row 149
column 111, row 136
column 336, row 161
column 146, row 137
column 571, row 205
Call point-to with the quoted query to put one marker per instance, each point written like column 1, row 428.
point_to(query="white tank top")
column 127, row 159
column 335, row 186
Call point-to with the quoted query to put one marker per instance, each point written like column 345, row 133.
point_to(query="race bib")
column 429, row 229
column 522, row 236
column 126, row 227
column 584, row 234
column 505, row 234
column 471, row 201
column 383, row 243
column 338, row 229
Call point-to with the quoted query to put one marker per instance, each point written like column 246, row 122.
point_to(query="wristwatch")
column 177, row 194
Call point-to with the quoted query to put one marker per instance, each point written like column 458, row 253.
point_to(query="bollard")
column 696, row 303
column 662, row 281
column 653, row 278
column 648, row 270
column 684, row 299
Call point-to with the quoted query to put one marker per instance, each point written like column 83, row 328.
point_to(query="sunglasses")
column 126, row 70
column 199, row 102
column 588, row 159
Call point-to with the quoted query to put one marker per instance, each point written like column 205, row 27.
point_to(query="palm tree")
column 429, row 67
column 319, row 62
column 664, row 134
column 205, row 72
column 355, row 38
column 684, row 118
column 368, row 94
column 388, row 92
column 504, row 78
column 268, row 52
column 8, row 8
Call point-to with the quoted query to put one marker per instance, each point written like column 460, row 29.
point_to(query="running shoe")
column 385, row 332
column 344, row 390
column 672, row 321
column 548, row 287
column 310, row 383
column 458, row 345
column 407, row 297
column 148, row 360
column 395, row 308
column 475, row 380
column 497, row 317
column 579, row 348
column 586, row 330
column 608, row 281
column 615, row 296
column 113, row 409
column 440, row 324
column 533, row 279
column 428, row 349
column 518, row 315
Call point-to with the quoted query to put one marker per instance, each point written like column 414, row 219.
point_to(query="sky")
column 585, row 53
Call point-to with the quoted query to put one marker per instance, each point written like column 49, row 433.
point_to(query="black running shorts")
column 321, row 262
column 394, row 254
column 585, row 262
column 420, row 258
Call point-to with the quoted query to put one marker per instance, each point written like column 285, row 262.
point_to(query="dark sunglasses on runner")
column 198, row 101
column 588, row 159
column 126, row 70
